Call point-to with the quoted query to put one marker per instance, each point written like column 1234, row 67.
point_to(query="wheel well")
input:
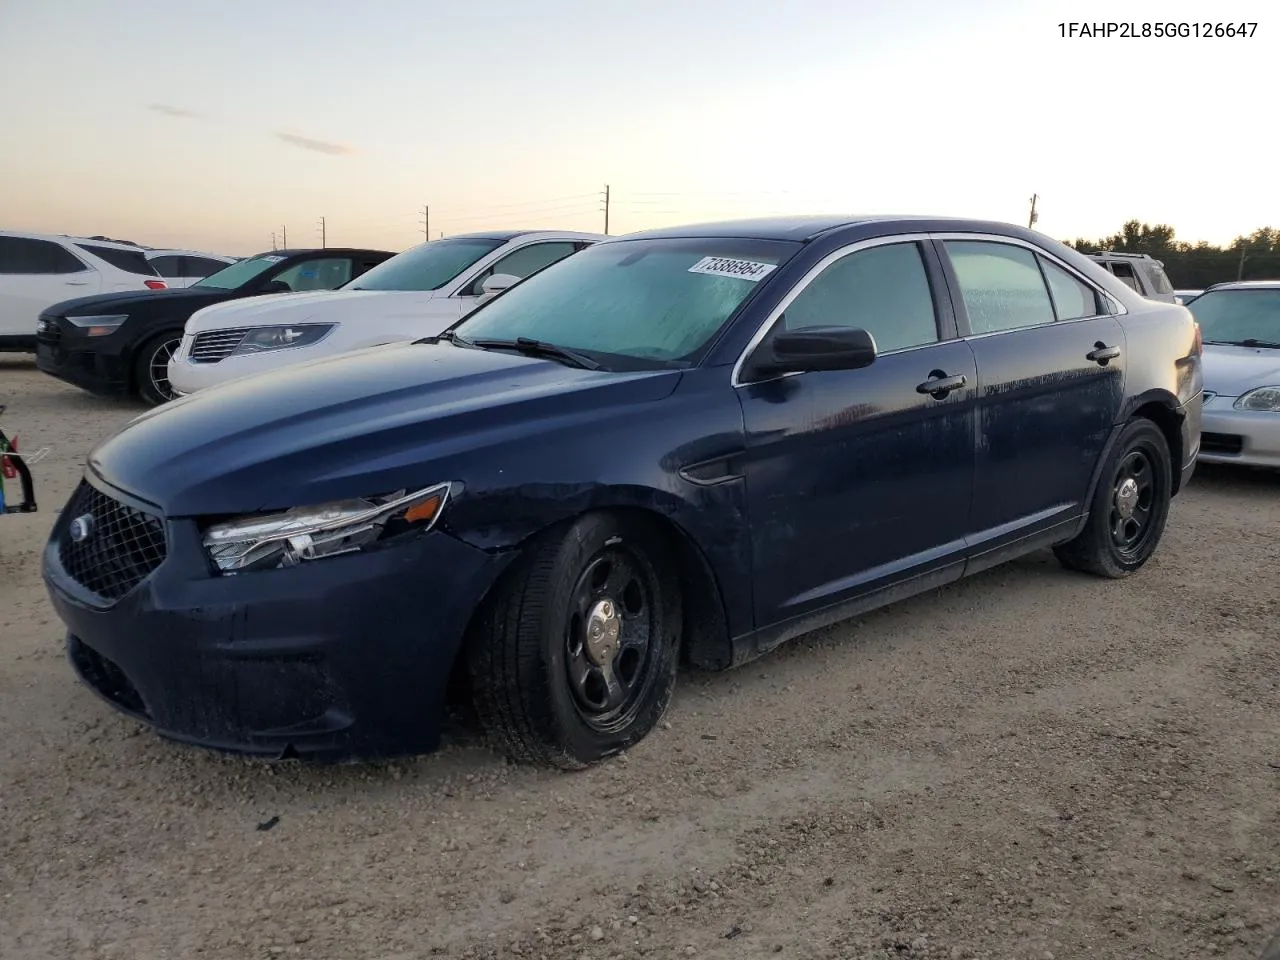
column 705, row 641
column 1171, row 426
column 136, row 352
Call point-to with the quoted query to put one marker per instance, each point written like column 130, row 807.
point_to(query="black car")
column 121, row 342
column 695, row 442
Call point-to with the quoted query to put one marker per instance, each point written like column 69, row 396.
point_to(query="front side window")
column 326, row 273
column 237, row 274
column 1001, row 285
column 658, row 301
column 428, row 266
column 23, row 255
column 522, row 263
column 883, row 290
column 1074, row 299
column 130, row 261
column 1246, row 317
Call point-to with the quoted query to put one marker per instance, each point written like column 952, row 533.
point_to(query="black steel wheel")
column 151, row 368
column 574, row 656
column 1129, row 508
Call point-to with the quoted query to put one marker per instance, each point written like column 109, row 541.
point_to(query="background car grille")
column 1229, row 443
column 123, row 547
column 215, row 345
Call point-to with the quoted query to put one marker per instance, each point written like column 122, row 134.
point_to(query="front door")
column 856, row 479
column 1051, row 384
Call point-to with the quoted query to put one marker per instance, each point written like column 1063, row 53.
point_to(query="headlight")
column 281, row 338
column 1260, row 398
column 267, row 541
column 99, row 326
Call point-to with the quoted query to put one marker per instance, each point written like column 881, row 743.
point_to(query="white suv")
column 415, row 294
column 39, row 270
column 182, row 268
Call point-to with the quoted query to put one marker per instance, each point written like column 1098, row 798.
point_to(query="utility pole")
column 426, row 222
column 273, row 240
column 606, row 209
column 1031, row 222
column 1240, row 269
column 322, row 235
column 284, row 238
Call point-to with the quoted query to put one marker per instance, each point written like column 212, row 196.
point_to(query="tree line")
column 1195, row 266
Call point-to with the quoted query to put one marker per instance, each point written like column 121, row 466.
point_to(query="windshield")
column 1234, row 316
column 426, row 267
column 239, row 273
column 658, row 300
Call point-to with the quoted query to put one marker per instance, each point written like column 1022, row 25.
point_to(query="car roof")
column 508, row 235
column 805, row 228
column 301, row 251
column 152, row 252
column 1245, row 285
column 67, row 238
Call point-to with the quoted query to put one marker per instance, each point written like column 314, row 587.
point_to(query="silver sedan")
column 1240, row 324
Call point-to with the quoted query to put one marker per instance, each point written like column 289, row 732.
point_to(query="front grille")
column 120, row 546
column 215, row 345
column 1228, row 443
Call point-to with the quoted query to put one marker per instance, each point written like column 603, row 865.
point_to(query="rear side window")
column 23, row 255
column 130, row 261
column 1124, row 272
column 167, row 266
column 884, row 290
column 1072, row 298
column 1001, row 285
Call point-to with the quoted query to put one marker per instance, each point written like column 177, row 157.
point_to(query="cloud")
column 171, row 111
column 319, row 146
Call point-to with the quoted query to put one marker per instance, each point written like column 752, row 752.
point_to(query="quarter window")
column 130, row 261
column 24, row 255
column 1073, row 298
column 1001, row 285
column 522, row 263
column 883, row 290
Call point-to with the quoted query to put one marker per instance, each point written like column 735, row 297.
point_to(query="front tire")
column 574, row 656
column 151, row 368
column 1129, row 508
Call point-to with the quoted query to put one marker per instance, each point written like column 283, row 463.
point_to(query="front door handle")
column 1101, row 353
column 939, row 384
column 77, row 283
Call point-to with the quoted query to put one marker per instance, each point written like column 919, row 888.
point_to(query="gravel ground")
column 1030, row 764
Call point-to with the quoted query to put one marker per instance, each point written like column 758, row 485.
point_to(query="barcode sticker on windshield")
column 727, row 267
column 273, row 259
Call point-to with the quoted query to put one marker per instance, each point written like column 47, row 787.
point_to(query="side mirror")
column 495, row 284
column 813, row 348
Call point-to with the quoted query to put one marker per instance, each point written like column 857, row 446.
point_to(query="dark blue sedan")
column 688, row 444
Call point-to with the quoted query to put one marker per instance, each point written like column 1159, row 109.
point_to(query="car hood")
column 362, row 424
column 329, row 305
column 130, row 299
column 1230, row 371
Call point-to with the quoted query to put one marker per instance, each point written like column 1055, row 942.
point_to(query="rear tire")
column 1129, row 508
column 150, row 368
column 574, row 655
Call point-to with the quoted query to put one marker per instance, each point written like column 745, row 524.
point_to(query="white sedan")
column 415, row 294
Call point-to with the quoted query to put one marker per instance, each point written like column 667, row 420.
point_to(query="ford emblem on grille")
column 81, row 528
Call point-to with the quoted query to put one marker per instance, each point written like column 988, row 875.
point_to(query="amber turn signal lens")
column 425, row 511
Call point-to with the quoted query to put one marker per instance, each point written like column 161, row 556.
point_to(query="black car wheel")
column 1129, row 508
column 574, row 656
column 151, row 368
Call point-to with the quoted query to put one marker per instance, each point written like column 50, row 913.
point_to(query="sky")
column 212, row 125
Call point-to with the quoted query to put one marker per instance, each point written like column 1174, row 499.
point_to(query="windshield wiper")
column 1250, row 342
column 535, row 348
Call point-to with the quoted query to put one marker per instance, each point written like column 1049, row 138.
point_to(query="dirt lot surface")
column 1030, row 764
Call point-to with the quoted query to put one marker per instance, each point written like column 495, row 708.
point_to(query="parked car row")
column 39, row 270
column 686, row 444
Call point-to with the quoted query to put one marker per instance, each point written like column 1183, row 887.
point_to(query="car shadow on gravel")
column 71, row 400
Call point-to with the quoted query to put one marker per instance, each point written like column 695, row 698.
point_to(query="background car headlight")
column 99, row 326
column 282, row 338
column 1260, row 398
column 290, row 537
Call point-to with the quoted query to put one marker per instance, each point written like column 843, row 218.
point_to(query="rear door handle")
column 1101, row 353
column 939, row 384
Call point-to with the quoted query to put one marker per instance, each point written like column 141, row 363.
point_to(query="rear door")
column 1050, row 358
column 35, row 274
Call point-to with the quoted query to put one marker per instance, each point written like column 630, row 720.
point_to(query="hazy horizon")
column 154, row 124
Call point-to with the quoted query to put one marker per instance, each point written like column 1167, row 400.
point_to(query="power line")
column 527, row 203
